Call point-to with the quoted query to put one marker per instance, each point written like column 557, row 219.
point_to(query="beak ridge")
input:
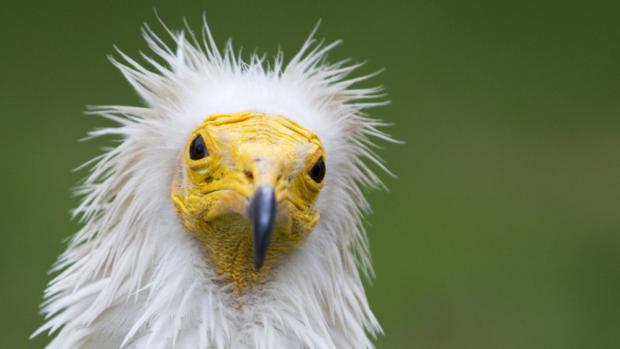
column 262, row 211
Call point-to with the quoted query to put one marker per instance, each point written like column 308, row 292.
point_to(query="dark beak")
column 262, row 213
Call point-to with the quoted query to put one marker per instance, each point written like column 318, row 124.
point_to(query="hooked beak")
column 262, row 213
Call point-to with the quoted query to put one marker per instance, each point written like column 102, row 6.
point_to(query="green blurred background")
column 502, row 230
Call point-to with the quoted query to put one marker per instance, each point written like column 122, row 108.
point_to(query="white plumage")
column 132, row 278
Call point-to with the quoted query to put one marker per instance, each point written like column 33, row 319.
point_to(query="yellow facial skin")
column 211, row 194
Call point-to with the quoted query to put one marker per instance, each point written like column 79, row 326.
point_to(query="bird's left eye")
column 198, row 149
column 317, row 173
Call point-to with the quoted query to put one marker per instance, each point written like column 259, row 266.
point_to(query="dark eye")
column 198, row 149
column 317, row 173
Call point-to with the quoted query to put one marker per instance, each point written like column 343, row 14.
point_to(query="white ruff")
column 132, row 278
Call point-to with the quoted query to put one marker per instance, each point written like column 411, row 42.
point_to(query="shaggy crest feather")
column 132, row 278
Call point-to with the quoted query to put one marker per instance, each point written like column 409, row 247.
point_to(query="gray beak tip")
column 262, row 212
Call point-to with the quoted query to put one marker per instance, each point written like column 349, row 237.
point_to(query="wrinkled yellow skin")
column 211, row 195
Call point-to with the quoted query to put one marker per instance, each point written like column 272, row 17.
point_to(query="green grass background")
column 502, row 230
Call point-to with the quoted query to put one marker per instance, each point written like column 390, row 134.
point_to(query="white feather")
column 132, row 278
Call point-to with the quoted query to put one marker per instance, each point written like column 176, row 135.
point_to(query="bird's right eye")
column 198, row 149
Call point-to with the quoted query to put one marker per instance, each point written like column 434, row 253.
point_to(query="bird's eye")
column 317, row 173
column 198, row 149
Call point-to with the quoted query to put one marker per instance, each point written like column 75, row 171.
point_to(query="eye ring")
column 317, row 172
column 198, row 149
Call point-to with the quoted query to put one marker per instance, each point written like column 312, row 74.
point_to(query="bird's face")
column 247, row 190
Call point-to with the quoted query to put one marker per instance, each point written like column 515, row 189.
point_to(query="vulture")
column 229, row 211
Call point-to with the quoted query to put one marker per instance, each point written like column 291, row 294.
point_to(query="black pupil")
column 198, row 150
column 317, row 173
